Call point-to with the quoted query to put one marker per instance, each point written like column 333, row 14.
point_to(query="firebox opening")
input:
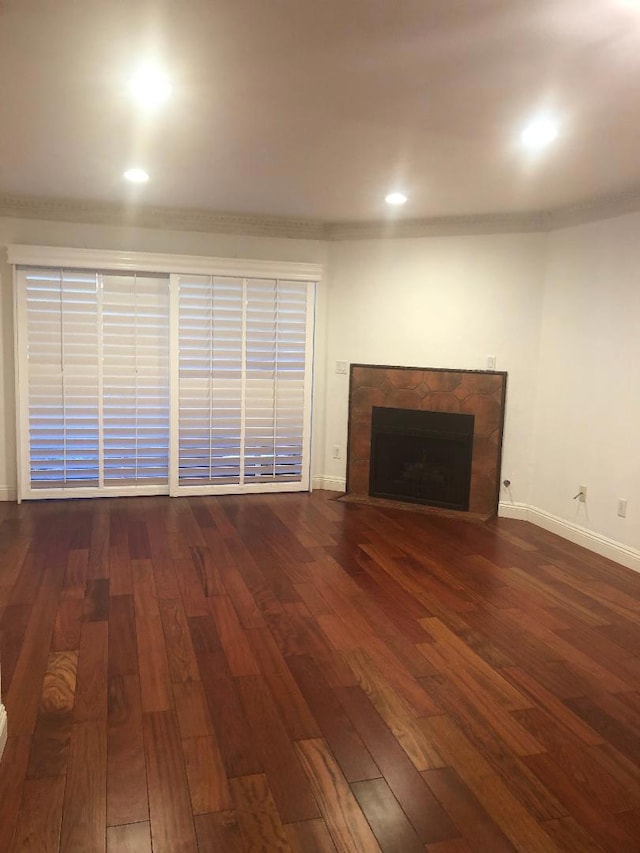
column 421, row 457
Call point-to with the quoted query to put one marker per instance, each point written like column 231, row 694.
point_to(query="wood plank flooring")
column 295, row 673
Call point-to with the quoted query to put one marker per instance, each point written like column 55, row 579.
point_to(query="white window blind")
column 97, row 377
column 137, row 382
column 63, row 406
column 135, row 361
column 210, row 392
column 244, row 383
column 275, row 379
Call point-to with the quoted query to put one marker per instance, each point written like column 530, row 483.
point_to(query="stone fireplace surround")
column 476, row 392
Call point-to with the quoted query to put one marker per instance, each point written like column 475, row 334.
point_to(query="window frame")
column 173, row 266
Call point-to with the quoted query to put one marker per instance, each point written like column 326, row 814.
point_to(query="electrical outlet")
column 622, row 507
column 341, row 366
column 336, row 451
column 582, row 494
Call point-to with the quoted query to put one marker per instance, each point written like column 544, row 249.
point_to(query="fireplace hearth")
column 421, row 457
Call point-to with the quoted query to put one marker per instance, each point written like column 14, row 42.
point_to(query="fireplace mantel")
column 475, row 392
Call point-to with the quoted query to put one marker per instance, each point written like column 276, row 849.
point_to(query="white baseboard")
column 3, row 729
column 512, row 510
column 332, row 484
column 616, row 551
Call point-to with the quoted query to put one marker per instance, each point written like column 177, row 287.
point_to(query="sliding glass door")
column 156, row 383
column 243, row 378
column 95, row 382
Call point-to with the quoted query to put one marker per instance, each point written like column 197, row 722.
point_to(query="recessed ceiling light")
column 150, row 86
column 539, row 133
column 136, row 176
column 395, row 198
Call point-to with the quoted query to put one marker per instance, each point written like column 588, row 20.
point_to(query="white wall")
column 587, row 429
column 438, row 302
column 145, row 240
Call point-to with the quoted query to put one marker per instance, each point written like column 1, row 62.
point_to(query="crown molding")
column 255, row 225
column 595, row 209
column 591, row 210
column 440, row 226
column 166, row 218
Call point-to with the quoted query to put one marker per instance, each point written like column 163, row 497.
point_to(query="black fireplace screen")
column 421, row 457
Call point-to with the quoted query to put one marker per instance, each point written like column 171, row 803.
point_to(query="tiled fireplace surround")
column 472, row 392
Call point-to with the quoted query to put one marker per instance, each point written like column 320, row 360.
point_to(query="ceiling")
column 317, row 108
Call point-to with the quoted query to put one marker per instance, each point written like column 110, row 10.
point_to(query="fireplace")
column 421, row 457
column 432, row 392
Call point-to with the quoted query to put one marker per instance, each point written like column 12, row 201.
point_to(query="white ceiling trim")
column 167, row 218
column 592, row 210
column 441, row 226
column 105, row 213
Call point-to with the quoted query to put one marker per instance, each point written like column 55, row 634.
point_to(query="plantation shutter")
column 63, row 405
column 97, row 377
column 210, row 392
column 275, row 380
column 135, row 326
column 244, row 384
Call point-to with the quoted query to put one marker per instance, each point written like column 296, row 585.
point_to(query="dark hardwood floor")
column 295, row 673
